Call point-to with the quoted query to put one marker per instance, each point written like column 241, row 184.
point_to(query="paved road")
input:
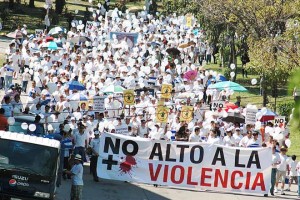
column 117, row 190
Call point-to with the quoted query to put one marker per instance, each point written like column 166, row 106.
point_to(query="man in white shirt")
column 195, row 136
column 237, row 136
column 77, row 180
column 95, row 145
column 244, row 141
column 80, row 140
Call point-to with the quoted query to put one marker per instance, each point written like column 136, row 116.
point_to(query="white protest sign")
column 38, row 32
column 183, row 164
column 250, row 117
column 218, row 105
column 89, row 26
column 98, row 104
column 123, row 129
column 279, row 121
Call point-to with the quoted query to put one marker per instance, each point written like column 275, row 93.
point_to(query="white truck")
column 28, row 166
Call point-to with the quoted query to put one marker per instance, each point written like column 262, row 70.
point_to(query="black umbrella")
column 79, row 39
column 234, row 117
column 173, row 51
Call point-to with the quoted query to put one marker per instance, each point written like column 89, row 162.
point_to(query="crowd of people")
column 99, row 60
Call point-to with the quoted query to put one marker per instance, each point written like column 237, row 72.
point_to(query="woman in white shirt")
column 213, row 139
column 229, row 140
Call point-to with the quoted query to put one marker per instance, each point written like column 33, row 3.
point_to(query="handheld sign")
column 89, row 26
column 250, row 116
column 162, row 114
column 218, row 105
column 186, row 113
column 122, row 129
column 166, row 90
column 98, row 103
column 189, row 20
column 279, row 121
column 128, row 97
column 38, row 32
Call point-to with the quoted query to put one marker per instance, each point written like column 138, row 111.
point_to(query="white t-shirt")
column 292, row 167
column 79, row 138
column 95, row 144
column 194, row 138
column 283, row 163
column 228, row 141
column 77, row 171
column 275, row 160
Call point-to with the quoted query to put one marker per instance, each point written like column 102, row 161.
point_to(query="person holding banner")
column 213, row 138
column 195, row 136
column 244, row 141
column 182, row 133
column 254, row 141
column 229, row 140
column 275, row 162
column 95, row 145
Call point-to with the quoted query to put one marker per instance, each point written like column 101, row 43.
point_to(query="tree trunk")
column 31, row 3
column 59, row 6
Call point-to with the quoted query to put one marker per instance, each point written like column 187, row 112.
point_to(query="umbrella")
column 16, row 34
column 230, row 105
column 155, row 44
column 269, row 115
column 56, row 30
column 234, row 117
column 191, row 75
column 75, row 85
column 49, row 38
column 52, row 45
column 228, row 85
column 186, row 45
column 113, row 89
column 173, row 51
column 221, row 78
column 79, row 97
column 79, row 39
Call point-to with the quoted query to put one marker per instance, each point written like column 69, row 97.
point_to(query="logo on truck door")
column 12, row 182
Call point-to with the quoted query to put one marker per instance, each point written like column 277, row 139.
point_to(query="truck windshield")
column 32, row 158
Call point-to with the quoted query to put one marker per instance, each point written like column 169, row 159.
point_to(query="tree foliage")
column 265, row 29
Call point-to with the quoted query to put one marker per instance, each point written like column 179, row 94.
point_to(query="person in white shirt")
column 298, row 175
column 95, row 145
column 77, row 179
column 143, row 130
column 244, row 141
column 25, row 79
column 195, row 136
column 254, row 141
column 213, row 138
column 292, row 172
column 229, row 140
column 275, row 161
column 9, row 70
column 237, row 136
column 80, row 140
column 282, row 167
